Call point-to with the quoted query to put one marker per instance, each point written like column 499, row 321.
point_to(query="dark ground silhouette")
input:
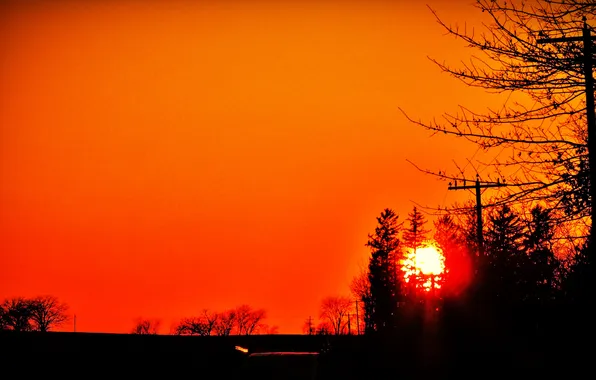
column 464, row 344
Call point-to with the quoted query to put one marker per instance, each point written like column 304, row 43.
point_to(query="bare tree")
column 360, row 288
column 203, row 325
column 209, row 320
column 360, row 285
column 225, row 323
column 146, row 327
column 242, row 320
column 16, row 314
column 536, row 141
column 335, row 311
column 47, row 313
column 324, row 328
column 190, row 326
column 248, row 320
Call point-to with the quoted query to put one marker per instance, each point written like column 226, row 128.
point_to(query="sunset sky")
column 162, row 157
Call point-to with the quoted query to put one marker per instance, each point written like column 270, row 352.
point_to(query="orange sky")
column 158, row 158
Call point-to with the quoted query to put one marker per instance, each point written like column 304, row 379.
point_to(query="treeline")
column 42, row 313
column 519, row 273
column 242, row 320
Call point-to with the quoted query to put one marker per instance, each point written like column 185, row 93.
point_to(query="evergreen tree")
column 542, row 263
column 384, row 245
column 467, row 223
column 452, row 240
column 447, row 232
column 577, row 297
column 416, row 234
column 504, row 258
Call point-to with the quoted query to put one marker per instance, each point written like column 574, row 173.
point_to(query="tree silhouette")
column 360, row 288
column 248, row 321
column 505, row 259
column 384, row 245
column 324, row 328
column 16, row 314
column 541, row 279
column 243, row 320
column 203, row 325
column 415, row 234
column 447, row 232
column 573, row 284
column 225, row 323
column 335, row 311
column 543, row 149
column 451, row 238
column 47, row 313
column 146, row 327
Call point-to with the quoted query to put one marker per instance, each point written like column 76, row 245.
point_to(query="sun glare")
column 424, row 267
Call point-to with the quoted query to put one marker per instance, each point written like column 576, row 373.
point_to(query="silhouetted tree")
column 543, row 265
column 360, row 288
column 47, row 313
column 466, row 219
column 538, row 134
column 203, row 325
column 451, row 238
column 335, row 311
column 16, row 314
column 447, row 232
column 574, row 290
column 242, row 320
column 384, row 245
column 505, row 259
column 225, row 323
column 192, row 326
column 248, row 321
column 415, row 234
column 324, row 328
column 146, row 327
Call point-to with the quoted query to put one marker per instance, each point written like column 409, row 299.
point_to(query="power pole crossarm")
column 478, row 186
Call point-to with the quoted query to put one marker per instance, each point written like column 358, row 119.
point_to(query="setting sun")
column 424, row 266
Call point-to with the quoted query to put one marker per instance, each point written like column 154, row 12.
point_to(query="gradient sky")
column 158, row 158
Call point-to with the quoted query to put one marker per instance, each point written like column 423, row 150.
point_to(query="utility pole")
column 477, row 186
column 357, row 319
column 586, row 40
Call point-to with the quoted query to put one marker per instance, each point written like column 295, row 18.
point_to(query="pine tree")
column 447, row 232
column 416, row 234
column 542, row 263
column 452, row 240
column 384, row 245
column 505, row 258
